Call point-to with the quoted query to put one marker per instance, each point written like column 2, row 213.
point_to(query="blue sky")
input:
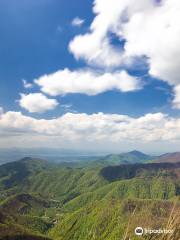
column 38, row 38
column 35, row 41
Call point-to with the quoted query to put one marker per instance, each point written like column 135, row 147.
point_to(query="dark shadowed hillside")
column 128, row 171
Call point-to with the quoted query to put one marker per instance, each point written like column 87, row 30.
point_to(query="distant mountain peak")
column 127, row 157
column 26, row 159
column 137, row 153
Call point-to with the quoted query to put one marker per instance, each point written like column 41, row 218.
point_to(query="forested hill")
column 39, row 200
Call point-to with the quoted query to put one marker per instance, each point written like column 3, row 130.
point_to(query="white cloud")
column 77, row 22
column 84, row 129
column 96, row 51
column 26, row 84
column 149, row 27
column 176, row 101
column 86, row 81
column 37, row 102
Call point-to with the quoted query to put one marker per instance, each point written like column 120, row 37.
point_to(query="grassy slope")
column 108, row 219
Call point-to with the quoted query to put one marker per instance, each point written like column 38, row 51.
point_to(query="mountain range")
column 44, row 200
column 169, row 157
column 72, row 157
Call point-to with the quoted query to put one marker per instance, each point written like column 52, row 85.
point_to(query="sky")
column 98, row 75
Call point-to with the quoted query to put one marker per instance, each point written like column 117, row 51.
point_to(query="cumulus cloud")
column 77, row 22
column 37, row 102
column 176, row 101
column 86, row 81
column 26, row 84
column 148, row 28
column 95, row 46
column 96, row 51
column 94, row 128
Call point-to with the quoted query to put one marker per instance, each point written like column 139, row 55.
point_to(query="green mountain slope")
column 42, row 199
column 22, row 214
column 114, row 219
